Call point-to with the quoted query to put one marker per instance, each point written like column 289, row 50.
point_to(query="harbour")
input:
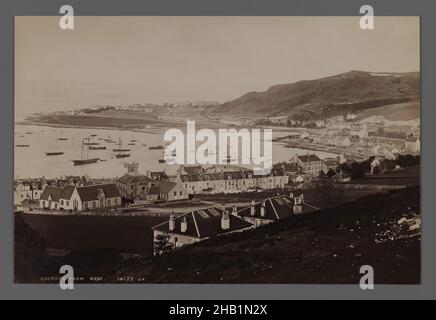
column 147, row 152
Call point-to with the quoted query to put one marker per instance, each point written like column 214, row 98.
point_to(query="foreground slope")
column 324, row 247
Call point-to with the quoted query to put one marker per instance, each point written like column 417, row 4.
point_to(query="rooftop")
column 204, row 223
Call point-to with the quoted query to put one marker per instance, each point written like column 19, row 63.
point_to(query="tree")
column 357, row 170
column 322, row 175
column 162, row 244
column 331, row 173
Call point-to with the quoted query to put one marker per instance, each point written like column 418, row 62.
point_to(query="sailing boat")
column 54, row 153
column 119, row 149
column 61, row 138
column 85, row 160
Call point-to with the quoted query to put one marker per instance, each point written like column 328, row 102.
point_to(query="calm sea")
column 32, row 162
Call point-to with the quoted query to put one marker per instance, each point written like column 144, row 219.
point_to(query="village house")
column 171, row 191
column 134, row 186
column 274, row 209
column 81, row 198
column 28, row 189
column 50, row 197
column 157, row 175
column 320, row 123
column 331, row 163
column 279, row 120
column 311, row 163
column 153, row 194
column 199, row 225
column 412, row 145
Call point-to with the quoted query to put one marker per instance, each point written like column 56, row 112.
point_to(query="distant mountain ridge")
column 320, row 98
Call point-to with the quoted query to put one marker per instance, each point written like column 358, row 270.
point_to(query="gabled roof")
column 53, row 192
column 90, row 193
column 129, row 178
column 309, row 158
column 276, row 208
column 204, row 223
column 155, row 190
column 192, row 169
column 166, row 186
column 289, row 166
column 67, row 192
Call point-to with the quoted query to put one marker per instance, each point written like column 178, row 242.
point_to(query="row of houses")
column 191, row 180
column 199, row 225
column 82, row 198
column 30, row 190
column 227, row 179
column 158, row 186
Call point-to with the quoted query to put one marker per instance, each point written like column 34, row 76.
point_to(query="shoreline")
column 68, row 126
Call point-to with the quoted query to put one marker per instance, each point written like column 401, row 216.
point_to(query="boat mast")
column 83, row 145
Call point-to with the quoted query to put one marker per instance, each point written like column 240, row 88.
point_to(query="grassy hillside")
column 80, row 233
column 394, row 112
column 311, row 99
column 324, row 247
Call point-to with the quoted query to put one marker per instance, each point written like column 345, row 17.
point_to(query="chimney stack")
column 172, row 222
column 235, row 211
column 252, row 209
column 225, row 221
column 262, row 209
column 183, row 225
column 291, row 195
column 298, row 206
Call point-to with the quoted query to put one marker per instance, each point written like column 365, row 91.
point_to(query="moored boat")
column 84, row 161
column 122, row 155
column 97, row 148
column 159, row 147
column 55, row 153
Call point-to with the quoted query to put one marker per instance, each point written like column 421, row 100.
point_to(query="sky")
column 126, row 60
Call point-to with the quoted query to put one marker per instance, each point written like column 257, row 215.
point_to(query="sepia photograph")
column 217, row 149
